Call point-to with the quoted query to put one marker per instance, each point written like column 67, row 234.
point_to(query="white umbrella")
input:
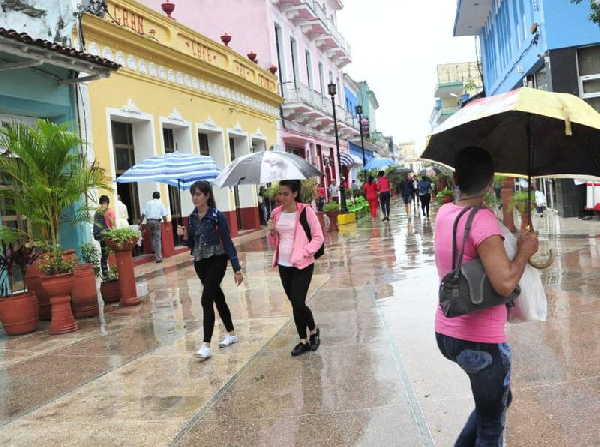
column 266, row 167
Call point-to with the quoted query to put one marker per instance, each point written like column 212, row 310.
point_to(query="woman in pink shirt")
column 477, row 341
column 383, row 186
column 295, row 257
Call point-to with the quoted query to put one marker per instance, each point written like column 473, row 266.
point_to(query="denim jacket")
column 212, row 229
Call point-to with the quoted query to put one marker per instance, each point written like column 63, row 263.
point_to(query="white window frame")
column 584, row 78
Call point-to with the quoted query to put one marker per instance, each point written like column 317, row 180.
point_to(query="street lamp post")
column 359, row 112
column 332, row 88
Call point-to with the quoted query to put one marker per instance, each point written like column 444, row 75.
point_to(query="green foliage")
column 17, row 250
column 112, row 275
column 595, row 7
column 48, row 174
column 90, row 255
column 55, row 262
column 307, row 190
column 272, row 190
column 443, row 196
column 363, row 175
column 490, row 200
column 121, row 236
column 519, row 201
column 331, row 206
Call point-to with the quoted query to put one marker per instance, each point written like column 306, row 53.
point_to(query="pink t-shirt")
column 286, row 227
column 484, row 326
column 383, row 184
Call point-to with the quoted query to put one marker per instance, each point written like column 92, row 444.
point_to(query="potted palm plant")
column 18, row 309
column 50, row 178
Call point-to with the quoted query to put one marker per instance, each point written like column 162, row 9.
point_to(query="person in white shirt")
column 540, row 202
column 122, row 214
column 155, row 213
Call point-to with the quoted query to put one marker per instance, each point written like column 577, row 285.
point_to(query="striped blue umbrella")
column 175, row 169
column 346, row 160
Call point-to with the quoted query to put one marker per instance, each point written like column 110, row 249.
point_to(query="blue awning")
column 357, row 151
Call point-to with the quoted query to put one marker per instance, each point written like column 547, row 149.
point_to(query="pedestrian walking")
column 383, row 186
column 477, row 341
column 407, row 191
column 209, row 239
column 424, row 190
column 540, row 202
column 155, row 213
column 334, row 193
column 101, row 224
column 370, row 189
column 122, row 215
column 295, row 256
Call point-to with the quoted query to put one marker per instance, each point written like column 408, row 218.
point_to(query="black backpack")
column 321, row 251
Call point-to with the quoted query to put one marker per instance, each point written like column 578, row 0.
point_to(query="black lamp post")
column 332, row 89
column 359, row 112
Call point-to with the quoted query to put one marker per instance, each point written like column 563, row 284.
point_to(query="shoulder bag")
column 466, row 288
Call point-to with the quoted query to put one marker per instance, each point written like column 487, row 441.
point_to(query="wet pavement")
column 130, row 377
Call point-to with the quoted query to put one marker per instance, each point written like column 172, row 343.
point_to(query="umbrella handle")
column 543, row 265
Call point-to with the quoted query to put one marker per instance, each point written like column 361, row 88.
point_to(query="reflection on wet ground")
column 130, row 378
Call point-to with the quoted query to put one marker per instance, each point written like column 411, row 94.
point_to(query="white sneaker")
column 228, row 341
column 204, row 352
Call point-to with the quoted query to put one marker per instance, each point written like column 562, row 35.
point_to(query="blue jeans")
column 488, row 368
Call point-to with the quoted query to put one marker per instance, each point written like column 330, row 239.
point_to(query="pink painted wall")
column 245, row 20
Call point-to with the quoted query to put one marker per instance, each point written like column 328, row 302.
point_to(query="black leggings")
column 211, row 272
column 425, row 199
column 296, row 283
column 385, row 197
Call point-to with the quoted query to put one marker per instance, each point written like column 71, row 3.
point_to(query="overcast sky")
column 396, row 46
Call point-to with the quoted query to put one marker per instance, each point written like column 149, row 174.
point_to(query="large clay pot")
column 321, row 217
column 58, row 288
column 111, row 292
column 84, row 298
column 33, row 281
column 19, row 313
column 127, row 285
column 333, row 226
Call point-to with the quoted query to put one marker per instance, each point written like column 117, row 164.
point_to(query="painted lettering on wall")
column 127, row 18
column 201, row 51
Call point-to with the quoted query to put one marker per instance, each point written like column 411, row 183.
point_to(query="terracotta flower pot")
column 111, row 292
column 19, row 313
column 33, row 281
column 121, row 247
column 84, row 298
column 333, row 220
column 58, row 288
column 127, row 285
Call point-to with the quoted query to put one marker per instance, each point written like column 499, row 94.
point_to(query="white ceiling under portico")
column 471, row 16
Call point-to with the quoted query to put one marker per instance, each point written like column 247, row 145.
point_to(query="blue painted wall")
column 509, row 51
column 568, row 25
column 37, row 93
column 351, row 101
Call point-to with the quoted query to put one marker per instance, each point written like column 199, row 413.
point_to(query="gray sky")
column 396, row 46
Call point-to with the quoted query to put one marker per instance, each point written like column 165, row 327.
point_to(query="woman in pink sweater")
column 295, row 258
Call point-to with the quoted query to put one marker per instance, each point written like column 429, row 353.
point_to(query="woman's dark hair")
column 294, row 185
column 205, row 188
column 104, row 199
column 381, row 173
column 370, row 179
column 474, row 169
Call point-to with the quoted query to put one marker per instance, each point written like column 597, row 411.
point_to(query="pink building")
column 300, row 39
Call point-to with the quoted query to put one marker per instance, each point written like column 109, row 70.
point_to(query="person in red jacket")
column 370, row 189
column 383, row 186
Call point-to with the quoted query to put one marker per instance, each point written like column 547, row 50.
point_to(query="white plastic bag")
column 532, row 304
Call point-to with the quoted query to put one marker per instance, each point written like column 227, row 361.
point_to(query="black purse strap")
column 457, row 263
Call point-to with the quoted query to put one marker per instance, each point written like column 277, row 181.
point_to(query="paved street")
column 378, row 380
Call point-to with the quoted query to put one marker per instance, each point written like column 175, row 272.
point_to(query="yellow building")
column 177, row 91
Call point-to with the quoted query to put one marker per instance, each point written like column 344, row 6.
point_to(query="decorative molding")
column 131, row 107
column 176, row 116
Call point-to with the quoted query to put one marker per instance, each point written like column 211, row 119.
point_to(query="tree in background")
column 595, row 7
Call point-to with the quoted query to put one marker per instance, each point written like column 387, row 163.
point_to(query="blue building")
column 547, row 44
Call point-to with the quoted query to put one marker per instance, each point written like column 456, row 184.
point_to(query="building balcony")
column 313, row 20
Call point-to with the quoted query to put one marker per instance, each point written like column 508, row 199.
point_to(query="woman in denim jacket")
column 211, row 245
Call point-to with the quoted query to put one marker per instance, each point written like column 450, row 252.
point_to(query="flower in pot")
column 58, row 284
column 84, row 298
column 121, row 239
column 19, row 310
column 332, row 209
column 110, row 286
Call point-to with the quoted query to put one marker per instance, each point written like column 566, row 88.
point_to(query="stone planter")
column 111, row 292
column 58, row 288
column 84, row 298
column 126, row 273
column 19, row 313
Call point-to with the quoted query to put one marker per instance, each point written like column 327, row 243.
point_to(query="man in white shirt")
column 540, row 202
column 155, row 213
column 122, row 214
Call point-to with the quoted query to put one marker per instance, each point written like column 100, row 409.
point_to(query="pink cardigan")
column 303, row 251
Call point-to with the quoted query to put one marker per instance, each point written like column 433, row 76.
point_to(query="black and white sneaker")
column 315, row 340
column 300, row 349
